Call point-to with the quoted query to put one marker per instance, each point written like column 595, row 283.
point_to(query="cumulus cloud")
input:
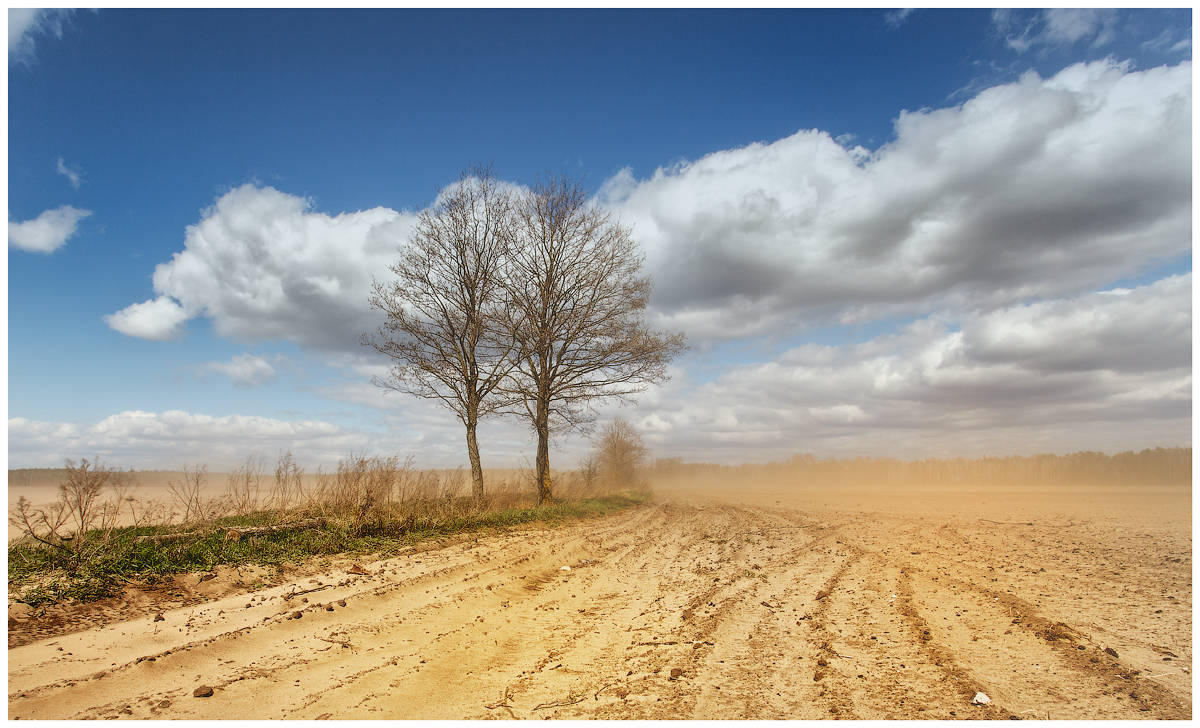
column 245, row 370
column 1108, row 370
column 74, row 176
column 1056, row 27
column 262, row 265
column 25, row 24
column 158, row 319
column 172, row 438
column 48, row 231
column 1040, row 187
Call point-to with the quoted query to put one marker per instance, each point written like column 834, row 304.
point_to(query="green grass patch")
column 40, row 574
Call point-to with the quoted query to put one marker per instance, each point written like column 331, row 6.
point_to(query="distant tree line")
column 1151, row 466
column 518, row 301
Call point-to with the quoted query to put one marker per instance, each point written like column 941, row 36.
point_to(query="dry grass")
column 97, row 532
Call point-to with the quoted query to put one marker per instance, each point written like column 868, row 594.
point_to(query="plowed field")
column 752, row 604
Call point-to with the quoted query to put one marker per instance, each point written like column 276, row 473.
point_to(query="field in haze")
column 735, row 594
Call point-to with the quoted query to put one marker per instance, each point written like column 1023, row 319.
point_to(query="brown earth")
column 763, row 603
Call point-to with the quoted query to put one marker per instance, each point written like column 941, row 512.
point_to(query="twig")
column 560, row 703
column 343, row 643
column 1007, row 523
column 603, row 687
column 657, row 644
column 503, row 702
column 1161, row 674
column 306, row 591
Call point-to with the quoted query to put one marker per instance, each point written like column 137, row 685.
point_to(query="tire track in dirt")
column 667, row 611
column 379, row 605
column 1004, row 629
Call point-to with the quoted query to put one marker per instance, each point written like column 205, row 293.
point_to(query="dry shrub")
column 288, row 489
column 91, row 498
column 376, row 494
column 188, row 501
column 243, row 487
column 360, row 491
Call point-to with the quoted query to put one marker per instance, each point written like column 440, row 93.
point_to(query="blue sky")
column 870, row 224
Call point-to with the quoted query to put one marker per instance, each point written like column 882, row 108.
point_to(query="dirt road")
column 693, row 607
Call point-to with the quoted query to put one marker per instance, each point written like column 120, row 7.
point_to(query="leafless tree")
column 576, row 298
column 442, row 306
column 620, row 454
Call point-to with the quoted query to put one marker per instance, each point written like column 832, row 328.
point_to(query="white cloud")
column 1095, row 371
column 1040, row 187
column 994, row 221
column 263, row 266
column 174, row 438
column 1072, row 25
column 48, row 231
column 74, row 176
column 1107, row 370
column 245, row 370
column 170, row 439
column 158, row 319
column 1056, row 27
column 1171, row 40
column 24, row 24
column 896, row 18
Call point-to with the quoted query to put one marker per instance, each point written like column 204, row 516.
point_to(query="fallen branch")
column 233, row 534
column 343, row 643
column 1006, row 523
column 603, row 687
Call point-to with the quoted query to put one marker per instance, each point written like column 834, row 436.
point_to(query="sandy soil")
column 763, row 603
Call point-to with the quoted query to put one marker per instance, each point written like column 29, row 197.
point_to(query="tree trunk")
column 542, row 426
column 476, row 467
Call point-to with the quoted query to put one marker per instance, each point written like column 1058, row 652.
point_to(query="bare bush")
column 44, row 525
column 90, row 499
column 187, row 494
column 243, row 487
column 362, row 489
column 288, row 489
column 620, row 456
column 81, row 491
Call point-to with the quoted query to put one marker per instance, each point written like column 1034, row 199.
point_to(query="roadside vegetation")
column 98, row 535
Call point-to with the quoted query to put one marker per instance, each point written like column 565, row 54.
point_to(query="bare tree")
column 575, row 313
column 442, row 307
column 620, row 454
